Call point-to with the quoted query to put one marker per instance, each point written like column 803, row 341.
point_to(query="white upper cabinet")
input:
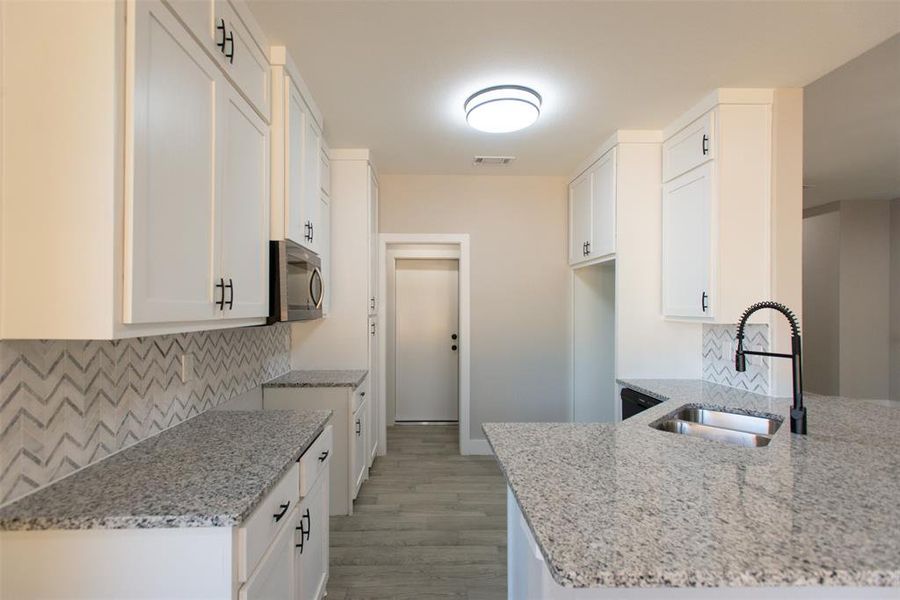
column 312, row 162
column 244, row 210
column 592, row 212
column 297, row 160
column 686, row 247
column 196, row 235
column 296, row 216
column 169, row 232
column 230, row 38
column 579, row 219
column 716, row 226
column 690, row 147
column 603, row 206
column 170, row 247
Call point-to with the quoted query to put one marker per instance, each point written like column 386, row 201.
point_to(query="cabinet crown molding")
column 620, row 136
column 715, row 98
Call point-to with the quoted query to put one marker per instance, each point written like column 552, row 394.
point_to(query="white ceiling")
column 392, row 76
column 851, row 130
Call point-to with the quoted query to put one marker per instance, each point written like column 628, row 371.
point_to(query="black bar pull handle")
column 230, row 287
column 221, row 286
column 221, row 27
column 704, row 144
column 230, row 39
column 358, row 428
column 323, row 456
column 284, row 508
column 704, row 304
column 308, row 529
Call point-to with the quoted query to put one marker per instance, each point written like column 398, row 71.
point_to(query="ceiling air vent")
column 492, row 160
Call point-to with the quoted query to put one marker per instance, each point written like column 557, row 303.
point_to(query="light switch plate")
column 187, row 367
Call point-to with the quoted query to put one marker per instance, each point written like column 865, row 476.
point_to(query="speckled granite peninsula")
column 338, row 378
column 210, row 471
column 626, row 505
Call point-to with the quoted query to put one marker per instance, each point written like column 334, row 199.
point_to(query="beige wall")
column 519, row 282
column 865, row 299
column 821, row 275
column 851, row 290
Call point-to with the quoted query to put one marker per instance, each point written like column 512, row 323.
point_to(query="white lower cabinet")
column 359, row 455
column 279, row 552
column 348, row 462
column 311, row 544
column 274, row 578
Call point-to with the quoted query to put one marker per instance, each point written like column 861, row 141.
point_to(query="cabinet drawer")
column 275, row 575
column 690, row 147
column 315, row 461
column 261, row 527
column 360, row 394
column 242, row 59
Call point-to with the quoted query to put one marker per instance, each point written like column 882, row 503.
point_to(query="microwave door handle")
column 317, row 274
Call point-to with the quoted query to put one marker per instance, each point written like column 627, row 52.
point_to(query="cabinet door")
column 295, row 217
column 312, row 141
column 241, row 57
column 579, row 218
column 372, row 383
column 312, row 557
column 170, row 200
column 603, row 206
column 358, row 447
column 243, row 207
column 686, row 244
column 274, row 576
column 690, row 147
column 373, row 243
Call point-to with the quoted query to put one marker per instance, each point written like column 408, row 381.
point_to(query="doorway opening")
column 423, row 367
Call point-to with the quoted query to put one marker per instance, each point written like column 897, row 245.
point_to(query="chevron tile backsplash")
column 718, row 367
column 66, row 404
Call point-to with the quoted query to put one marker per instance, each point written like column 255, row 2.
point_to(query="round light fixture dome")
column 503, row 108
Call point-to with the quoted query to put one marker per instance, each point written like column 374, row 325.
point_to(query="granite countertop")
column 626, row 505
column 321, row 378
column 210, row 471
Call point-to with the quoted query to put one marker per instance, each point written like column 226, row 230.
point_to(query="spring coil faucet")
column 798, row 411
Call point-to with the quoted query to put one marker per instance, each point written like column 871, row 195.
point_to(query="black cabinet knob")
column 453, row 347
column 453, row 337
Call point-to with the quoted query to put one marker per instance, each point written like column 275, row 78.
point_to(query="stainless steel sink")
column 728, row 427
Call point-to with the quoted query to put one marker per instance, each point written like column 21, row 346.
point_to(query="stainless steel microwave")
column 296, row 286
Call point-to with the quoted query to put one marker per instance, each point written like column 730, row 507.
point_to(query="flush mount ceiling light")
column 503, row 108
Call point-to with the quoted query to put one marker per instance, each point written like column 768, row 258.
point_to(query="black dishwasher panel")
column 634, row 402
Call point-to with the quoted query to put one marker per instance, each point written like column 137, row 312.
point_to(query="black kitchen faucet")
column 798, row 411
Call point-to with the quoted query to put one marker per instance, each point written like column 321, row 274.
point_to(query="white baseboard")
column 476, row 447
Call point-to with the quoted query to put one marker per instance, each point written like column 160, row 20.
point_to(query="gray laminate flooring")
column 428, row 523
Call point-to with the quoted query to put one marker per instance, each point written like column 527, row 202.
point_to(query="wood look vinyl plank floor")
column 428, row 523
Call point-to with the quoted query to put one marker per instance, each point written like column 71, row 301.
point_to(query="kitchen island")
column 625, row 510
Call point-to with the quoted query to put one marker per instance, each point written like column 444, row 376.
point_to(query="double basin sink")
column 733, row 428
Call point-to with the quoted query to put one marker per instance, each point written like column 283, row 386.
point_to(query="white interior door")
column 427, row 355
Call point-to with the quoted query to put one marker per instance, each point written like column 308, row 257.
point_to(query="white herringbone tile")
column 719, row 368
column 66, row 404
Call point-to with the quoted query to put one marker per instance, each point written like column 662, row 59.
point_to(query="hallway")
column 428, row 523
